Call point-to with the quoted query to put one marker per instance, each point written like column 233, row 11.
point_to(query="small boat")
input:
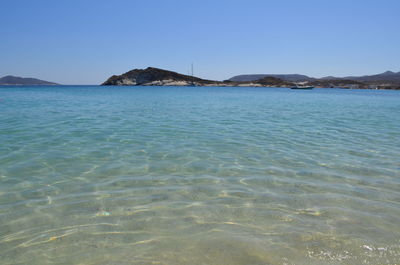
column 302, row 87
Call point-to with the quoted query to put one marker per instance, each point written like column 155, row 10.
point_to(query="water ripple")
column 98, row 175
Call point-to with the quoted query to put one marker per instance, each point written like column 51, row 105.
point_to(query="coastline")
column 203, row 85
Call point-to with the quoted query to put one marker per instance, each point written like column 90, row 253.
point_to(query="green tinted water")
column 157, row 175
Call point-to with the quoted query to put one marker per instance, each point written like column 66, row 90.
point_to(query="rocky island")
column 155, row 77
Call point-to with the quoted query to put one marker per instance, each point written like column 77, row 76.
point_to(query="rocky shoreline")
column 158, row 77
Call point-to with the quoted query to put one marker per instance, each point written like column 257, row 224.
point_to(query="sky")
column 87, row 41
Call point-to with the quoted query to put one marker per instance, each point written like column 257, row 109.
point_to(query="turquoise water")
column 168, row 175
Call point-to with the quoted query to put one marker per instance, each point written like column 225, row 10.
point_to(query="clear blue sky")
column 85, row 42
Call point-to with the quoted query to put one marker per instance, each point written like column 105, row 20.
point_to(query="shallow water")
column 168, row 175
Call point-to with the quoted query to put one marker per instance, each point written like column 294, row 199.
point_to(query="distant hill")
column 336, row 83
column 15, row 80
column 272, row 81
column 387, row 77
column 284, row 77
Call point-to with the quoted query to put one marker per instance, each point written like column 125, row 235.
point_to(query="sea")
column 199, row 175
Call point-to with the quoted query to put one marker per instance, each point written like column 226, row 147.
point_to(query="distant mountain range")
column 386, row 77
column 15, row 80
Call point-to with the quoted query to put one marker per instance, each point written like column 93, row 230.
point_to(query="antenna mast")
column 192, row 76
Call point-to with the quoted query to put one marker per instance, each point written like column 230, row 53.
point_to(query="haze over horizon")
column 85, row 42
